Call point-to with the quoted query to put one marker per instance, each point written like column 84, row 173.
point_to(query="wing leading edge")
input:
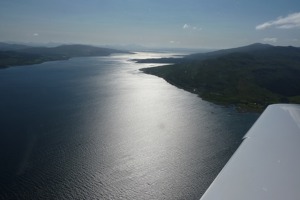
column 266, row 166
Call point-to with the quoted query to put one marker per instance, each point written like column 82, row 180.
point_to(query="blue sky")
column 153, row 23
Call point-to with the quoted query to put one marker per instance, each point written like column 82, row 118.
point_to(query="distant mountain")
column 206, row 55
column 245, row 49
column 130, row 47
column 74, row 50
column 11, row 47
column 34, row 55
column 249, row 77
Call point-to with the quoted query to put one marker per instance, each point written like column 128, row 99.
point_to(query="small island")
column 16, row 55
column 249, row 77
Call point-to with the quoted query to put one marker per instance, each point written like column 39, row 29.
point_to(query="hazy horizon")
column 203, row 24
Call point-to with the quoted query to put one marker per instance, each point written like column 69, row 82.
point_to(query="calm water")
column 97, row 128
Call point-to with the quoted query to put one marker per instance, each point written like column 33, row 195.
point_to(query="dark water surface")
column 97, row 128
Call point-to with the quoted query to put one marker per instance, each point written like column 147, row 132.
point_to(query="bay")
column 98, row 128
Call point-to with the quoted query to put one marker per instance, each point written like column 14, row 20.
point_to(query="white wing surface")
column 266, row 166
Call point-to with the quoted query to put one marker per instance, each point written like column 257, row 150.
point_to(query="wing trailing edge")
column 266, row 166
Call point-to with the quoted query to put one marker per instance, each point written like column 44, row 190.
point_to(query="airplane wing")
column 266, row 166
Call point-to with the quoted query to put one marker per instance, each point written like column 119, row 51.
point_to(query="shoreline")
column 242, row 108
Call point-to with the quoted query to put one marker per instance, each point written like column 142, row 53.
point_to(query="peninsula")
column 249, row 77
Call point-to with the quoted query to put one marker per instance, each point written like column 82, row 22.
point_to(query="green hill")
column 12, row 58
column 12, row 47
column 23, row 55
column 250, row 77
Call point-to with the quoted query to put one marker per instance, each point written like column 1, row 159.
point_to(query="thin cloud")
column 35, row 34
column 288, row 22
column 270, row 40
column 195, row 28
column 186, row 26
